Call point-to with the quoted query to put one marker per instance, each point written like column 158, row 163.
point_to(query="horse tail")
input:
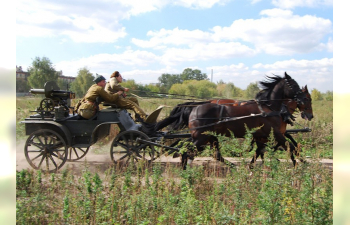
column 150, row 128
column 178, row 118
column 181, row 113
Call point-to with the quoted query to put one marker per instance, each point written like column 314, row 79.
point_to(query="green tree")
column 328, row 96
column 195, row 88
column 251, row 91
column 167, row 80
column 189, row 74
column 63, row 84
column 152, row 88
column 205, row 89
column 178, row 89
column 220, row 88
column 41, row 72
column 316, row 95
column 83, row 82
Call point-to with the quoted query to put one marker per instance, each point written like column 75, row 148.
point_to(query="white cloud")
column 290, row 4
column 310, row 72
column 255, row 1
column 277, row 13
column 173, row 37
column 314, row 73
column 104, row 63
column 199, row 4
column 280, row 33
column 89, row 20
column 209, row 51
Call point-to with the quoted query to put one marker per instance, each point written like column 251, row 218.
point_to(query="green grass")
column 164, row 194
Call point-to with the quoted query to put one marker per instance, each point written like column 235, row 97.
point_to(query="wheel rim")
column 46, row 150
column 47, row 105
column 76, row 153
column 126, row 148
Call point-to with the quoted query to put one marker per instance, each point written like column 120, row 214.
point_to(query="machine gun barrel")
column 37, row 91
column 54, row 93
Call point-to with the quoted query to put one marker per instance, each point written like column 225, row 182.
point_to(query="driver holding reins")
column 87, row 108
column 114, row 87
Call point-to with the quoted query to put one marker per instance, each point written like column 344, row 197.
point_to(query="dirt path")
column 101, row 162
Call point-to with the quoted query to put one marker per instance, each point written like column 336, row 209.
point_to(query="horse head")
column 306, row 107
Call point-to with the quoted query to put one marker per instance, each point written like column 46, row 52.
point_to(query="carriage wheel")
column 47, row 105
column 47, row 150
column 76, row 153
column 126, row 149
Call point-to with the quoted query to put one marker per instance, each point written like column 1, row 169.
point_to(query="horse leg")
column 258, row 152
column 184, row 160
column 214, row 144
column 281, row 140
column 296, row 145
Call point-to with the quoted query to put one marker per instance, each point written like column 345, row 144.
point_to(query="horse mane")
column 262, row 95
column 271, row 82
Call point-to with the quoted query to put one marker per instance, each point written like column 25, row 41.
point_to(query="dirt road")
column 101, row 162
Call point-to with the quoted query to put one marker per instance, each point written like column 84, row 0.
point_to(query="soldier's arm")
column 115, row 85
column 108, row 97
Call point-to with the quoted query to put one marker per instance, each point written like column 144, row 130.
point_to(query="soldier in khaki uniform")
column 88, row 106
column 113, row 86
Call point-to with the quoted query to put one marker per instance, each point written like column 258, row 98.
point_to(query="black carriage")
column 57, row 136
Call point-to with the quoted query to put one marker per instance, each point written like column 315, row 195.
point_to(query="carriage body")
column 80, row 132
column 56, row 136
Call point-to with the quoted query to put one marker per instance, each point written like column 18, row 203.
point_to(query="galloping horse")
column 306, row 113
column 266, row 112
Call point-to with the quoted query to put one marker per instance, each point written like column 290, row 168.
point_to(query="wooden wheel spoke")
column 38, row 137
column 58, row 155
column 41, row 153
column 41, row 161
column 120, row 151
column 126, row 146
column 124, row 156
column 38, row 145
column 53, row 161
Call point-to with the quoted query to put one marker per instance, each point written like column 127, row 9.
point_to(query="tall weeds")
column 272, row 193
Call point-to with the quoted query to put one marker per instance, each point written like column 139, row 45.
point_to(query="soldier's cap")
column 99, row 78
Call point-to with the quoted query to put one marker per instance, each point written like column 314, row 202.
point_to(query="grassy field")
column 274, row 193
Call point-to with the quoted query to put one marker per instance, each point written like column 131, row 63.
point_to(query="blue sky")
column 241, row 41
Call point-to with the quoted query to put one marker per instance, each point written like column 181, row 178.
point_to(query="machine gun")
column 56, row 102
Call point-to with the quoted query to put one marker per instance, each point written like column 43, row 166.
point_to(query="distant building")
column 20, row 74
column 22, row 79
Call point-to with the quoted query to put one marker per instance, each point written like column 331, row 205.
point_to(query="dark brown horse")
column 287, row 118
column 266, row 112
column 182, row 112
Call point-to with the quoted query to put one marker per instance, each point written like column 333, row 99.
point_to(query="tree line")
column 191, row 82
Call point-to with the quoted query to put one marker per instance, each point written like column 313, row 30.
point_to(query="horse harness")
column 284, row 113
